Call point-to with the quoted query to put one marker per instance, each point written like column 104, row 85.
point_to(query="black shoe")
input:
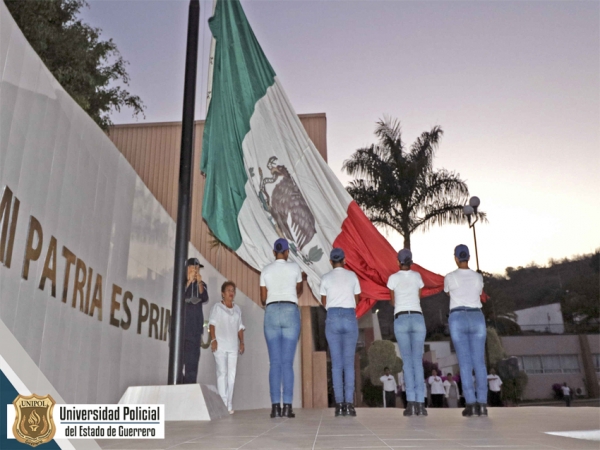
column 468, row 411
column 476, row 409
column 410, row 409
column 340, row 409
column 482, row 409
column 421, row 410
column 287, row 411
column 349, row 410
column 275, row 410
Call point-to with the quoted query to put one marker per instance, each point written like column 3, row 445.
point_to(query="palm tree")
column 398, row 188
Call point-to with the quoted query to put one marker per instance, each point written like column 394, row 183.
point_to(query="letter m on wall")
column 9, row 211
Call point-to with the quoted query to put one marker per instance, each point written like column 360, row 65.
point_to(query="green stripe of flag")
column 241, row 77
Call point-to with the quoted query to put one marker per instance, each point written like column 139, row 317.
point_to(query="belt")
column 406, row 312
column 284, row 301
column 464, row 308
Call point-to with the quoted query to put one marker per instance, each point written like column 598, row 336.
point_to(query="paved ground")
column 445, row 429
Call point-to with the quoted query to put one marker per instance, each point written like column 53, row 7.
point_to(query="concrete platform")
column 444, row 429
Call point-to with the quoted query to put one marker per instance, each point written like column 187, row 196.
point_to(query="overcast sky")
column 514, row 85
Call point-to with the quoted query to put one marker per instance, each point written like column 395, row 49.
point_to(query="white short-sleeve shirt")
column 280, row 278
column 389, row 383
column 465, row 287
column 494, row 382
column 227, row 323
column 340, row 286
column 437, row 385
column 406, row 285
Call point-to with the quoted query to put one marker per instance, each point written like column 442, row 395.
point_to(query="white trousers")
column 226, row 367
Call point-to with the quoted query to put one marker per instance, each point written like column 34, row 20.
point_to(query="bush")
column 381, row 354
column 372, row 395
column 495, row 350
column 512, row 390
column 558, row 393
column 428, row 367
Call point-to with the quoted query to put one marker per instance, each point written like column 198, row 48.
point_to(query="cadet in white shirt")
column 468, row 330
column 409, row 327
column 495, row 386
column 437, row 390
column 280, row 287
column 340, row 291
column 227, row 341
column 389, row 388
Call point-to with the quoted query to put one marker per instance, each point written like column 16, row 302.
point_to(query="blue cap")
column 337, row 255
column 462, row 252
column 405, row 256
column 281, row 245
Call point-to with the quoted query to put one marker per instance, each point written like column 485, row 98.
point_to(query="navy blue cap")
column 281, row 245
column 193, row 262
column 405, row 256
column 337, row 255
column 462, row 252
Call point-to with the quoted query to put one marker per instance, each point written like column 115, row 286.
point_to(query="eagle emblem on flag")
column 289, row 212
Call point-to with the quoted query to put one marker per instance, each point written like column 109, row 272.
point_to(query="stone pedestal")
column 182, row 401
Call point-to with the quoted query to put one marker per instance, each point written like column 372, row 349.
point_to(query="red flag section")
column 373, row 259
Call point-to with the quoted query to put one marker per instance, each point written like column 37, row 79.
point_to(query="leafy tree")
column 512, row 390
column 495, row 350
column 499, row 309
column 382, row 354
column 398, row 188
column 86, row 66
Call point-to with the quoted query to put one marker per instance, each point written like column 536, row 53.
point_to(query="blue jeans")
column 282, row 329
column 468, row 332
column 410, row 333
column 341, row 330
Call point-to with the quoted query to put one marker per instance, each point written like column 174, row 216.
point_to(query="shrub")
column 512, row 390
column 372, row 395
column 381, row 354
column 558, row 393
column 495, row 350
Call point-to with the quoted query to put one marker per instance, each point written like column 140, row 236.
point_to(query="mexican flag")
column 265, row 179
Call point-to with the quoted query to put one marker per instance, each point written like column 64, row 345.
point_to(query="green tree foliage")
column 580, row 302
column 494, row 348
column 399, row 189
column 512, row 390
column 382, row 354
column 499, row 310
column 87, row 67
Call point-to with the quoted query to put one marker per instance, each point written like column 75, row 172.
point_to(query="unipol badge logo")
column 33, row 422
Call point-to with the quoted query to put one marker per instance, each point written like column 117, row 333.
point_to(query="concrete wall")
column 88, row 234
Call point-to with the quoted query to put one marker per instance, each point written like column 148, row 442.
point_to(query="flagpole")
column 182, row 237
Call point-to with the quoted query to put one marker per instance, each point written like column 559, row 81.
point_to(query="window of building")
column 569, row 363
column 532, row 364
column 538, row 364
column 551, row 364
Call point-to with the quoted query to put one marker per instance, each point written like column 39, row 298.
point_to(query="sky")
column 515, row 85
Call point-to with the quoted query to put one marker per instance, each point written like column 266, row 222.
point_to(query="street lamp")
column 468, row 210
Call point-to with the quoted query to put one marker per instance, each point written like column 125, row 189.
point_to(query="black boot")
column 275, row 410
column 482, row 409
column 410, row 409
column 340, row 409
column 468, row 411
column 421, row 410
column 349, row 410
column 287, row 411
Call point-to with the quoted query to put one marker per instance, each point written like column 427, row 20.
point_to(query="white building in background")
column 545, row 319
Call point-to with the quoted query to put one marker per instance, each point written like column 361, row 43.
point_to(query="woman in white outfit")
column 226, row 341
